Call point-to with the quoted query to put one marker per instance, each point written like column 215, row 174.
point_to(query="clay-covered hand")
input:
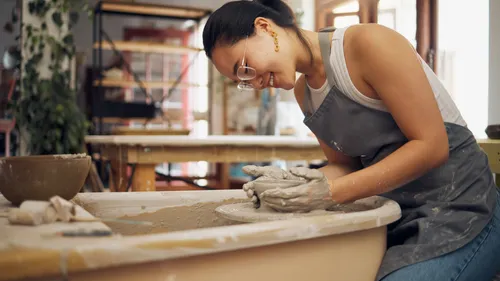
column 315, row 194
column 265, row 175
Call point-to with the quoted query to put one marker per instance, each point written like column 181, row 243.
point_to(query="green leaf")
column 57, row 19
column 68, row 39
column 45, row 86
column 31, row 7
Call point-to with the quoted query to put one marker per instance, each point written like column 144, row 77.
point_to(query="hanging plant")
column 46, row 110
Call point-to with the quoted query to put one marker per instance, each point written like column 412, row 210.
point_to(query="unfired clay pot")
column 42, row 176
column 262, row 185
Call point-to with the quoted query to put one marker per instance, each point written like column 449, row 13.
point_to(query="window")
column 463, row 58
column 345, row 14
column 349, row 7
column 400, row 15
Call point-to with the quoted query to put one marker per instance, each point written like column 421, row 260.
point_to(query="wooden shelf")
column 147, row 84
column 147, row 47
column 143, row 9
column 114, row 120
column 129, row 131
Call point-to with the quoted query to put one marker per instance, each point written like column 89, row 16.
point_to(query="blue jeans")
column 479, row 260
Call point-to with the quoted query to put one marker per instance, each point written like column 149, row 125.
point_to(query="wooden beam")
column 154, row 9
column 427, row 31
column 119, row 83
column 368, row 11
column 147, row 47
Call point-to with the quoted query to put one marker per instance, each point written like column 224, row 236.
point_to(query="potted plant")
column 46, row 111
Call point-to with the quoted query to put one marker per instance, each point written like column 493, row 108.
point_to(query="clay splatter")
column 70, row 156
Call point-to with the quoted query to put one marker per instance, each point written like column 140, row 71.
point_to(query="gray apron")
column 443, row 209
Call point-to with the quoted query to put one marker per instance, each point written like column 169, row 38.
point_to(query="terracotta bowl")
column 42, row 176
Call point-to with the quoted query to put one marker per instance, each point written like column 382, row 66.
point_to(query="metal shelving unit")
column 102, row 109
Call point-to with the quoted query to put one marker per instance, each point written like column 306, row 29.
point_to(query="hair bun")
column 276, row 5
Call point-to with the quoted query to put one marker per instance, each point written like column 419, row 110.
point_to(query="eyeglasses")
column 245, row 73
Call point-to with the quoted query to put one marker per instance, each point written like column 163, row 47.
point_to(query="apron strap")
column 324, row 43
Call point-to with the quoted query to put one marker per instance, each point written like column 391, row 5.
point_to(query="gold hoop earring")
column 276, row 45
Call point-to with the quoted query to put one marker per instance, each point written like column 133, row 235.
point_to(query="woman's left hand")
column 312, row 195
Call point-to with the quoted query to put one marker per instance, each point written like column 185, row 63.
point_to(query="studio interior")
column 171, row 140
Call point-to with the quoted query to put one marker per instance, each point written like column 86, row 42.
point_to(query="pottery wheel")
column 246, row 212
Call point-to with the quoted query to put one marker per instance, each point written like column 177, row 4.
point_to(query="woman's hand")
column 271, row 174
column 312, row 195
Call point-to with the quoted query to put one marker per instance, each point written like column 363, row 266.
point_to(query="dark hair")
column 235, row 21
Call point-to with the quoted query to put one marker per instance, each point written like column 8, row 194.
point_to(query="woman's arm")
column 390, row 66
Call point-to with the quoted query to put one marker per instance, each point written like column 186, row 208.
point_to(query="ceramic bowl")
column 42, row 176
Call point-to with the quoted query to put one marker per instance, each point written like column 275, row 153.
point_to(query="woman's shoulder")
column 362, row 38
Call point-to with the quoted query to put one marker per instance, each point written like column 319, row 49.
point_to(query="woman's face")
column 271, row 68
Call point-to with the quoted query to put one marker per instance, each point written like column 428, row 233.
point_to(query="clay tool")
column 112, row 220
column 81, row 233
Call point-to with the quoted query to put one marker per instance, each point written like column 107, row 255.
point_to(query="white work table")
column 147, row 151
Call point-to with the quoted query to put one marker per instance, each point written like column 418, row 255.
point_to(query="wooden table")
column 492, row 149
column 145, row 152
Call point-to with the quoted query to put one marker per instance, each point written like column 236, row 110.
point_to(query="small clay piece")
column 24, row 217
column 65, row 210
column 32, row 212
column 40, row 208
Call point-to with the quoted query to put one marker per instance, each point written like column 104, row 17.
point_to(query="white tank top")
column 449, row 110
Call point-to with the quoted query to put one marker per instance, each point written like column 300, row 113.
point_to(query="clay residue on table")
column 200, row 215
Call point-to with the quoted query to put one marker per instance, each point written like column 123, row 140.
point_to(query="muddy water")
column 200, row 215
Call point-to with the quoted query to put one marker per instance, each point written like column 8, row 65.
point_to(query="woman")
column 387, row 127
